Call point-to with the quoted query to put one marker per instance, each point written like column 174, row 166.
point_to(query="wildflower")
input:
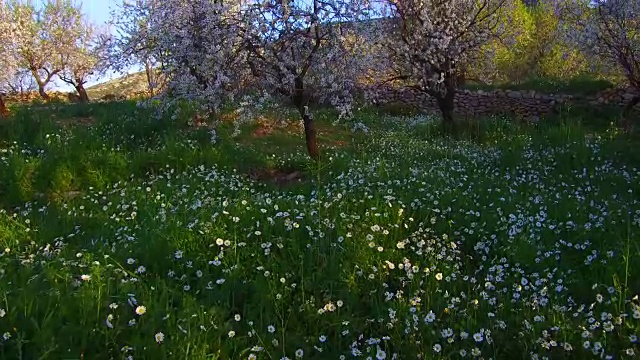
column 2, row 313
column 108, row 321
column 159, row 337
column 231, row 334
column 437, row 348
column 430, row 317
column 299, row 353
column 237, row 317
column 85, row 277
column 478, row 337
column 271, row 329
column 630, row 352
column 380, row 354
column 219, row 242
column 439, row 276
column 608, row 326
column 141, row 310
column 322, row 338
column 475, row 352
column 6, row 336
column 252, row 357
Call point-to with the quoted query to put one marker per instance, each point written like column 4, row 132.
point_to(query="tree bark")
column 628, row 109
column 310, row 133
column 82, row 93
column 41, row 84
column 151, row 82
column 4, row 111
column 447, row 105
column 43, row 93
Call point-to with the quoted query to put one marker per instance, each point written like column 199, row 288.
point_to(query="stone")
column 514, row 94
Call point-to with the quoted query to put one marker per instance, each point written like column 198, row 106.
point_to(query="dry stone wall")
column 526, row 104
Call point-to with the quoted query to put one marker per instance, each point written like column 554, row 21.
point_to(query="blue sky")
column 98, row 10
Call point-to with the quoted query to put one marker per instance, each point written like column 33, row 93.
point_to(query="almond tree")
column 297, row 50
column 89, row 58
column 43, row 36
column 609, row 30
column 21, row 83
column 8, row 61
column 434, row 37
column 198, row 44
column 135, row 44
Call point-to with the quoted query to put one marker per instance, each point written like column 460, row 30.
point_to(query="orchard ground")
column 124, row 236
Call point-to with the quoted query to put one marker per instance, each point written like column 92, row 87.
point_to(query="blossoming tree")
column 609, row 30
column 89, row 58
column 8, row 61
column 198, row 43
column 298, row 50
column 434, row 37
column 43, row 36
column 134, row 43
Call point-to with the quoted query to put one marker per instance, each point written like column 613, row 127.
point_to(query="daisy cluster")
column 397, row 248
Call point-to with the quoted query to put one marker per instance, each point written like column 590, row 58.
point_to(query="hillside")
column 125, row 86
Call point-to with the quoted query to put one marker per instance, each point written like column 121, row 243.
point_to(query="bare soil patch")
column 280, row 177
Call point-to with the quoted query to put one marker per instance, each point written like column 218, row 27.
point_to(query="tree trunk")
column 82, row 93
column 310, row 133
column 41, row 85
column 151, row 81
column 4, row 111
column 43, row 93
column 626, row 113
column 446, row 105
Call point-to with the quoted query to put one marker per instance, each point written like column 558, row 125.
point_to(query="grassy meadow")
column 125, row 236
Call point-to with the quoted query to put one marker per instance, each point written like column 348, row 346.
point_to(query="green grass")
column 511, row 241
column 580, row 85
